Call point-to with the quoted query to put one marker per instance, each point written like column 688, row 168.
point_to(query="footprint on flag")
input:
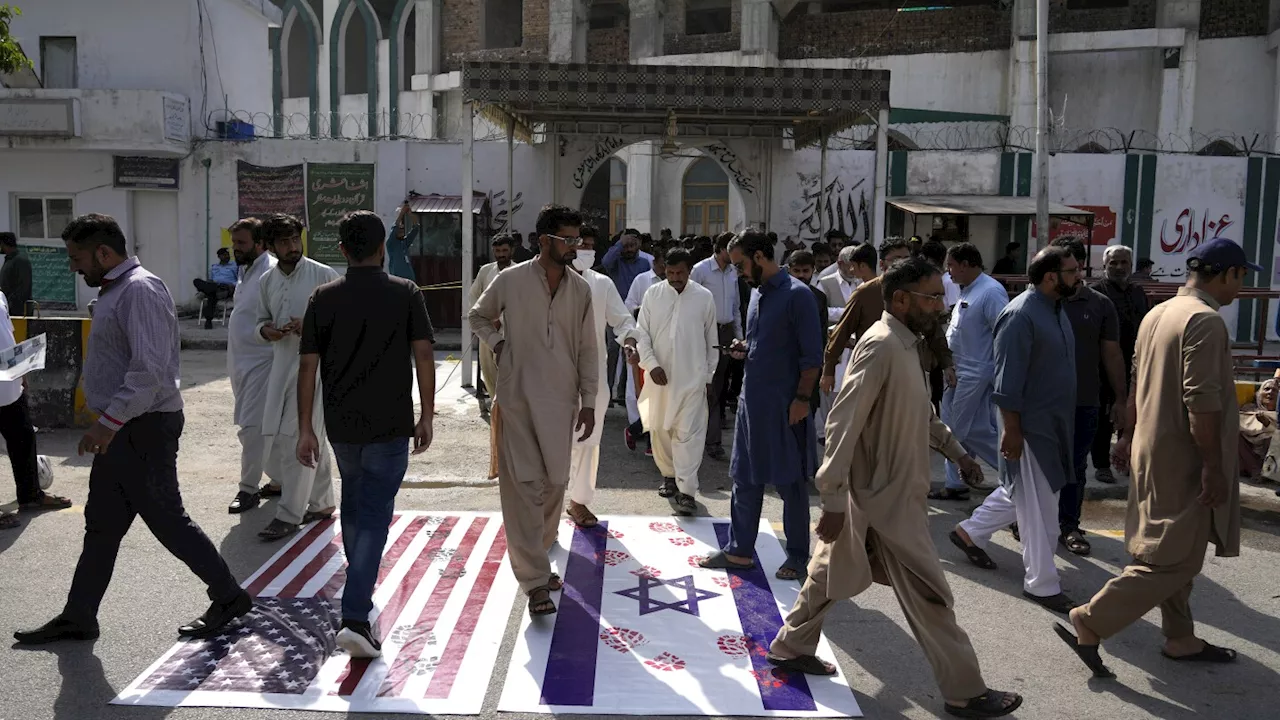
column 616, row 535
column 613, row 557
column 738, row 646
column 770, row 677
column 682, row 541
column 733, row 582
column 622, row 639
column 665, row 527
column 648, row 571
column 665, row 662
column 695, row 562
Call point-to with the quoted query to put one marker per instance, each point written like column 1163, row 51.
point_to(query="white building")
column 1141, row 91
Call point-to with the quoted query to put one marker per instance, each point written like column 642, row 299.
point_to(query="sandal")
column 806, row 664
column 1208, row 654
column 1059, row 603
column 668, row 488
column 554, row 583
column 721, row 561
column 46, row 502
column 1088, row 654
column 1075, row 543
column 790, row 570
column 316, row 515
column 976, row 555
column 540, row 602
column 946, row 493
column 277, row 530
column 8, row 521
column 684, row 504
column 581, row 516
column 991, row 703
column 270, row 490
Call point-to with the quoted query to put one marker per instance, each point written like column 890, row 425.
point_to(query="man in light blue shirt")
column 966, row 404
column 622, row 263
column 719, row 276
column 221, row 285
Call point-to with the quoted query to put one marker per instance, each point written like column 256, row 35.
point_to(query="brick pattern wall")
column 609, row 46
column 677, row 43
column 1232, row 18
column 461, row 33
column 1138, row 14
column 889, row 32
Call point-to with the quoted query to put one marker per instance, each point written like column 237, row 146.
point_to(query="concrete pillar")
column 383, row 109
column 468, row 234
column 648, row 22
column 881, row 193
column 759, row 29
column 641, row 176
column 1022, row 70
column 427, row 24
column 567, row 34
column 1178, row 89
column 323, row 95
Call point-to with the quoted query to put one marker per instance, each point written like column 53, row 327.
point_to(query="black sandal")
column 540, row 602
column 582, row 517
column 554, row 583
column 721, row 561
column 976, row 555
column 946, row 493
column 1209, row 654
column 1075, row 543
column 987, row 705
column 684, row 504
column 277, row 530
column 314, row 516
column 8, row 521
column 790, row 571
column 46, row 502
column 806, row 664
column 668, row 488
column 270, row 490
column 1088, row 654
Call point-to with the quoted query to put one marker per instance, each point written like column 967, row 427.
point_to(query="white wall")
column 849, row 186
column 241, row 81
column 932, row 172
column 1235, row 87
column 436, row 167
column 1093, row 91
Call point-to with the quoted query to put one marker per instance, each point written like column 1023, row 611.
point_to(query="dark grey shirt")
column 15, row 282
column 1131, row 304
column 1093, row 320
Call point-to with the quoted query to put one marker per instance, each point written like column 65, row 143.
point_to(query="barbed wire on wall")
column 347, row 126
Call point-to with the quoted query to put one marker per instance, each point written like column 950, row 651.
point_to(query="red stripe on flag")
column 354, row 672
column 311, row 569
column 399, row 672
column 282, row 562
column 339, row 577
column 460, row 638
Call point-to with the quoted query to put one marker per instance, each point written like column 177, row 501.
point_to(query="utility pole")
column 1042, row 124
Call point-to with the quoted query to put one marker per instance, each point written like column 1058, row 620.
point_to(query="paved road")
column 1237, row 601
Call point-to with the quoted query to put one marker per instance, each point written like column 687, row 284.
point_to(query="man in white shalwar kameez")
column 635, row 296
column 609, row 311
column 677, row 337
column 307, row 493
column 249, row 365
column 502, row 248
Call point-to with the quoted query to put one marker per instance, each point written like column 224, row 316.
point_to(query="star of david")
column 689, row 605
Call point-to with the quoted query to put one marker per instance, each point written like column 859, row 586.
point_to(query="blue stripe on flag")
column 570, row 677
column 760, row 619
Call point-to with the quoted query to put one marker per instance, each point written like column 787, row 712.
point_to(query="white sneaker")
column 357, row 639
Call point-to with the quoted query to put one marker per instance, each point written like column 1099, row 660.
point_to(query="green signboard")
column 53, row 285
column 333, row 190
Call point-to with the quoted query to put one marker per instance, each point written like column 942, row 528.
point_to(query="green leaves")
column 12, row 58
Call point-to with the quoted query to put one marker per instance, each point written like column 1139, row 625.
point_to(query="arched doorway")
column 604, row 199
column 705, row 199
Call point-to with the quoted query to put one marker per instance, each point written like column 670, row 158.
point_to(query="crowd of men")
column 927, row 353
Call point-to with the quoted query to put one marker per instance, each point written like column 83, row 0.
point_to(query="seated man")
column 221, row 285
column 1257, row 428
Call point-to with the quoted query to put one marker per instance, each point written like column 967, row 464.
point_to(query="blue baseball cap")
column 1219, row 254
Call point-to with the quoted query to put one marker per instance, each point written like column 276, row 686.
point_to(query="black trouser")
column 138, row 475
column 936, row 388
column 15, row 427
column 736, row 368
column 1101, row 450
column 213, row 292
column 719, row 387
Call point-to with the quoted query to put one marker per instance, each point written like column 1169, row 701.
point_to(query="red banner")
column 1104, row 226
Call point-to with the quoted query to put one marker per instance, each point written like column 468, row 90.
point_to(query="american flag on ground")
column 441, row 604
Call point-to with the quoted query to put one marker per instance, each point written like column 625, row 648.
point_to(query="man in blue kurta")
column 1035, row 392
column 399, row 241
column 773, row 441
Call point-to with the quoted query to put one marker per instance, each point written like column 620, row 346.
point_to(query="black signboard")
column 147, row 173
column 263, row 191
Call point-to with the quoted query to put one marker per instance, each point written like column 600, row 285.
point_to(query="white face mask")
column 585, row 260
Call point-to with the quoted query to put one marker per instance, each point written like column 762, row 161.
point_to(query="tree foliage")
column 12, row 58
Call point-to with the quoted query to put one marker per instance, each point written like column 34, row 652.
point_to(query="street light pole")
column 1042, row 124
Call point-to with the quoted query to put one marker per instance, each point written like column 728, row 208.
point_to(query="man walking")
column 1094, row 324
column 1180, row 435
column 130, row 379
column 966, row 403
column 15, row 274
column 677, row 336
column 873, row 480
column 249, row 366
column 635, row 296
column 773, row 441
column 623, row 262
column 282, row 301
column 1035, row 392
column 547, row 377
column 221, row 285
column 719, row 276
column 502, row 247
column 367, row 333
column 607, row 312
column 1131, row 303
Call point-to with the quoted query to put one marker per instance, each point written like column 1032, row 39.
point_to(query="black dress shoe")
column 218, row 616
column 56, row 629
column 244, row 501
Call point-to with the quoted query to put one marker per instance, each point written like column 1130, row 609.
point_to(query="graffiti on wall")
column 733, row 166
column 501, row 216
column 842, row 207
column 1187, row 235
column 603, row 150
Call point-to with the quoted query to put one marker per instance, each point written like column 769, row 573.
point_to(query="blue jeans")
column 1071, row 499
column 371, row 477
column 745, row 505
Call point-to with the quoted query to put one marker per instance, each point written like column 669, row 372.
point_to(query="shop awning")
column 444, row 204
column 981, row 205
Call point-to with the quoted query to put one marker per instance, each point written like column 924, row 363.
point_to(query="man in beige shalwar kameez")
column 873, row 482
column 1181, row 436
column 546, row 366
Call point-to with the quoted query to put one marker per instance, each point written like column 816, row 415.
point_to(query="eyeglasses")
column 572, row 242
column 938, row 297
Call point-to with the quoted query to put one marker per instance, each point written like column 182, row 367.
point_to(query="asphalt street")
column 1236, row 600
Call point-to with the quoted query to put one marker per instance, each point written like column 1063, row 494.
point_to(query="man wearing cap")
column 1181, row 426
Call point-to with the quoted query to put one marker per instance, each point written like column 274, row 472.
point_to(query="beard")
column 756, row 274
column 93, row 276
column 1064, row 290
column 563, row 260
column 922, row 322
column 246, row 258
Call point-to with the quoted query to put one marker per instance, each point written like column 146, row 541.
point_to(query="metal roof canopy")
column 706, row 101
column 445, row 203
column 980, row 205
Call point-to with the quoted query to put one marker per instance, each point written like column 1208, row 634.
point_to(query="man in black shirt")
column 366, row 333
column 1131, row 304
